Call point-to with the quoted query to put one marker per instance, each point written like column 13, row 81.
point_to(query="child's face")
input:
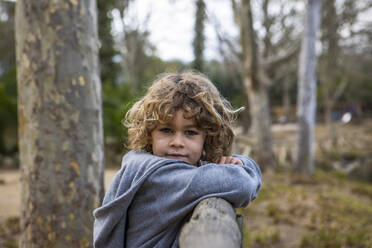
column 179, row 139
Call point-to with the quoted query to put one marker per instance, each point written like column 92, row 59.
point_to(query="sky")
column 171, row 25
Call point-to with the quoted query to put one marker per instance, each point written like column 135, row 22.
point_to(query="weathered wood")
column 213, row 224
column 239, row 220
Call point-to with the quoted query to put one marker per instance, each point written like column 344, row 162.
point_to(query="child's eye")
column 191, row 132
column 165, row 130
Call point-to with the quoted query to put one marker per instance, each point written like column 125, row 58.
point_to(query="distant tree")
column 8, row 113
column 255, row 88
column 7, row 50
column 60, row 123
column 345, row 37
column 199, row 37
column 8, row 83
column 331, row 50
column 261, row 59
column 110, row 69
column 356, row 59
column 306, row 102
column 135, row 53
column 136, row 50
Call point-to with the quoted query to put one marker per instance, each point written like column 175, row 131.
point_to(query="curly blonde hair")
column 198, row 97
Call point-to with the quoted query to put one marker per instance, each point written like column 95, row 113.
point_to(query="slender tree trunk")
column 286, row 99
column 261, row 125
column 246, row 117
column 306, row 103
column 256, row 90
column 331, row 52
column 328, row 106
column 198, row 43
column 60, row 123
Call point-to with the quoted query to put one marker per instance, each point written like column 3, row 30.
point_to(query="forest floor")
column 330, row 209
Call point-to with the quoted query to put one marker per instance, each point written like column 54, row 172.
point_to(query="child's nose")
column 177, row 140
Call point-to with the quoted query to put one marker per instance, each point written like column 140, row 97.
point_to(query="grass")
column 362, row 190
column 326, row 210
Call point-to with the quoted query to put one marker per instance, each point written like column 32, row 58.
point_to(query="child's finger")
column 229, row 160
column 222, row 160
column 236, row 161
column 233, row 160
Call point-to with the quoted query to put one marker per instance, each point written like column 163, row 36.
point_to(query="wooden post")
column 213, row 224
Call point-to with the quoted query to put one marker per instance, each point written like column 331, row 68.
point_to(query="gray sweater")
column 150, row 198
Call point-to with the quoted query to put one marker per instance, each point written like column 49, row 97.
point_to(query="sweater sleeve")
column 185, row 184
column 170, row 190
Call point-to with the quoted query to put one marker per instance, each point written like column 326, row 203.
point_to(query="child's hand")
column 230, row 160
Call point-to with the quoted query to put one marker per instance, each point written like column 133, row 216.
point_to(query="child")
column 181, row 137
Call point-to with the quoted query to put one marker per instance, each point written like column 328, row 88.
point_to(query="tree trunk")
column 198, row 42
column 331, row 52
column 60, row 122
column 306, row 103
column 256, row 90
column 245, row 116
column 287, row 99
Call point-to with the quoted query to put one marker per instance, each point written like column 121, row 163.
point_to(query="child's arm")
column 163, row 192
column 237, row 184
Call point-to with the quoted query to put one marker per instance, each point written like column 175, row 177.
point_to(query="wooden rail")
column 213, row 224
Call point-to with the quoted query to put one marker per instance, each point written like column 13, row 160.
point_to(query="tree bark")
column 306, row 103
column 60, row 122
column 213, row 224
column 256, row 89
column 198, row 42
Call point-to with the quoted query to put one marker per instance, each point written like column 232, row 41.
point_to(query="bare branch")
column 274, row 61
column 236, row 12
column 223, row 38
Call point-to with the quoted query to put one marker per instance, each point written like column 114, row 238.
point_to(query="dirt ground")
column 10, row 189
column 10, row 192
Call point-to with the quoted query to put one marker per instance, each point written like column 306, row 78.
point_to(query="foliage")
column 109, row 69
column 229, row 85
column 8, row 83
column 7, row 42
column 344, row 62
column 8, row 112
column 116, row 101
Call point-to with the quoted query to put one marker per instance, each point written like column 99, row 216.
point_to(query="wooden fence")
column 213, row 224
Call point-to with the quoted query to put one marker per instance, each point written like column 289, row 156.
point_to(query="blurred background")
column 140, row 39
